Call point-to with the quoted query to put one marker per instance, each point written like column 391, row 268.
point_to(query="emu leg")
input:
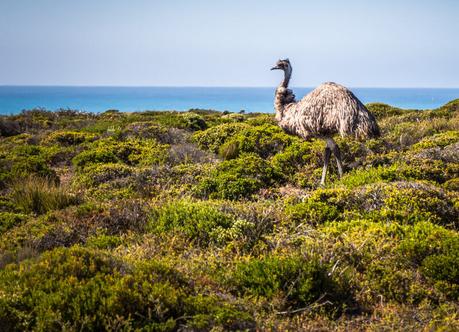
column 331, row 144
column 327, row 154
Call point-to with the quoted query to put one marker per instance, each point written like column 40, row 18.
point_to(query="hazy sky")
column 404, row 43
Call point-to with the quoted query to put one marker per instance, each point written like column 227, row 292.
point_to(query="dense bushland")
column 204, row 220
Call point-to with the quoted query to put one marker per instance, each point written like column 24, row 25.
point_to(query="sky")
column 391, row 43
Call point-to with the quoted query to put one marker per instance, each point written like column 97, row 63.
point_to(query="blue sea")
column 14, row 99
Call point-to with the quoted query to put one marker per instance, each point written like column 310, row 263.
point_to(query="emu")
column 327, row 110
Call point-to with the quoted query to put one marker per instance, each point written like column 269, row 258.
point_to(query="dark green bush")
column 299, row 280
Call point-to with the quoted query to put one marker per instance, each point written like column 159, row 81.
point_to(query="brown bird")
column 327, row 110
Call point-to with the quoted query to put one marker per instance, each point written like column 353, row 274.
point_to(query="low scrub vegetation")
column 201, row 220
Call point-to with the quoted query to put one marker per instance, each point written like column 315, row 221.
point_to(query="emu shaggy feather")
column 327, row 110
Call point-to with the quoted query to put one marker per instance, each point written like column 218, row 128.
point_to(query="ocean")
column 14, row 99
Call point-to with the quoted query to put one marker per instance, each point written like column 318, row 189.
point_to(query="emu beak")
column 275, row 67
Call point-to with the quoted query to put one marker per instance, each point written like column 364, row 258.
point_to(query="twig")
column 311, row 306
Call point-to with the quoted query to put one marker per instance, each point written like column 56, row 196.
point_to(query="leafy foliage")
column 202, row 220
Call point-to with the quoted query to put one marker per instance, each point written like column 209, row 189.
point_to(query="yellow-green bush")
column 212, row 138
column 265, row 140
column 131, row 151
column 9, row 220
column 67, row 138
column 150, row 249
column 91, row 290
column 236, row 178
column 199, row 221
column 439, row 140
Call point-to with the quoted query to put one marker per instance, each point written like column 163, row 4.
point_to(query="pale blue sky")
column 405, row 43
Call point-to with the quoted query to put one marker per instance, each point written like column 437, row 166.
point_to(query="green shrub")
column 394, row 282
column 67, row 138
column 152, row 130
column 439, row 140
column 182, row 120
column 381, row 110
column 33, row 165
column 265, row 140
column 103, row 241
column 212, row 138
column 199, row 221
column 89, row 157
column 236, row 178
column 89, row 290
column 299, row 280
column 324, row 205
column 9, row 220
column 442, row 267
column 417, row 202
column 38, row 195
column 97, row 174
column 435, row 250
column 297, row 155
column 414, row 169
column 132, row 151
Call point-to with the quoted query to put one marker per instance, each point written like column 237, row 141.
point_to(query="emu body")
column 327, row 110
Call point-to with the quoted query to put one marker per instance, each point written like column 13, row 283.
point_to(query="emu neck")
column 281, row 93
column 287, row 75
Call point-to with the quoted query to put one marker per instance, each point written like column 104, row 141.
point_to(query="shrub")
column 182, row 120
column 9, row 127
column 297, row 155
column 9, row 220
column 435, row 250
column 38, row 195
column 299, row 280
column 236, row 178
column 67, row 138
column 324, row 205
column 265, row 140
column 89, row 290
column 212, row 138
column 394, row 282
column 199, row 221
column 413, row 169
column 32, row 166
column 103, row 241
column 439, row 140
column 97, row 174
column 125, row 215
column 89, row 157
column 131, row 152
column 381, row 110
column 151, row 130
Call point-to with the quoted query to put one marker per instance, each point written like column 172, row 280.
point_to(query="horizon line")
column 210, row 86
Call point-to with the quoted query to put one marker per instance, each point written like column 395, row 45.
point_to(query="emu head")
column 287, row 68
column 283, row 65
